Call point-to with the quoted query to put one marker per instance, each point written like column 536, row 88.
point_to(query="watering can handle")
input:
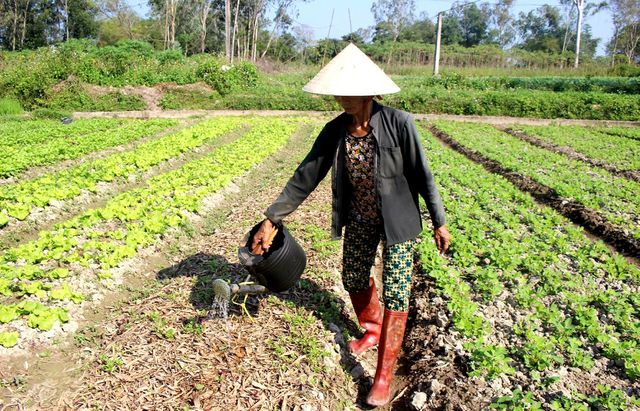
column 257, row 250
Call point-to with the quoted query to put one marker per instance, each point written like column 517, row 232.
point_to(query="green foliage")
column 626, row 70
column 489, row 360
column 574, row 310
column 47, row 113
column 10, row 106
column 517, row 401
column 8, row 339
column 227, row 79
column 110, row 364
column 137, row 218
column 73, row 96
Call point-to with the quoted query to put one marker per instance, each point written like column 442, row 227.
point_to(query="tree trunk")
column 235, row 30
column 174, row 10
column 24, row 23
column 254, row 35
column 206, row 6
column 66, row 19
column 566, row 32
column 15, row 25
column 275, row 27
column 615, row 46
column 580, row 6
column 227, row 29
column 166, row 24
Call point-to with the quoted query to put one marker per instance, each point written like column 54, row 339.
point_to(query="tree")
column 393, row 15
column 355, row 38
column 501, row 30
column 451, row 30
column 423, row 31
column 82, row 19
column 540, row 29
column 119, row 21
column 626, row 21
column 473, row 25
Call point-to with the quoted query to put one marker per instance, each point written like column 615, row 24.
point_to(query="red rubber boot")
column 369, row 313
column 390, row 344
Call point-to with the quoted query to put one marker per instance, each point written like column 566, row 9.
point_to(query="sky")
column 350, row 15
column 317, row 15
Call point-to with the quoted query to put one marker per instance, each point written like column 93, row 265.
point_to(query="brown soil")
column 430, row 361
column 591, row 220
column 574, row 155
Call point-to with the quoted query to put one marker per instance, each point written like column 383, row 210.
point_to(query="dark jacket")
column 402, row 173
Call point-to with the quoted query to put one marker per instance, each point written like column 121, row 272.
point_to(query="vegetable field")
column 112, row 231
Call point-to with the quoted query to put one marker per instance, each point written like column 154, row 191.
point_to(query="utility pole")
column 328, row 34
column 436, row 58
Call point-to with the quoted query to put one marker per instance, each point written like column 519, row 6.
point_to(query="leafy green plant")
column 8, row 339
column 517, row 401
column 489, row 360
column 10, row 106
column 110, row 364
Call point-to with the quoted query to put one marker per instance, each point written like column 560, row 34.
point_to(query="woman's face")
column 353, row 104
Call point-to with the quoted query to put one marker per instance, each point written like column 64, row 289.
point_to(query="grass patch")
column 50, row 114
column 10, row 106
column 190, row 99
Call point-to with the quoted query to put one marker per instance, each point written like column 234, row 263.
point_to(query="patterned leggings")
column 359, row 252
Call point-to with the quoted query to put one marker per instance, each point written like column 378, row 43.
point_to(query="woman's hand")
column 442, row 237
column 263, row 237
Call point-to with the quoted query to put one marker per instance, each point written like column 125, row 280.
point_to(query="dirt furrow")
column 591, row 220
column 633, row 175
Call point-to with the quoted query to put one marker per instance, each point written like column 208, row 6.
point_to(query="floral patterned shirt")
column 360, row 156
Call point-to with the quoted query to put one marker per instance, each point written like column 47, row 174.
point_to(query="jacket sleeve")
column 418, row 173
column 306, row 177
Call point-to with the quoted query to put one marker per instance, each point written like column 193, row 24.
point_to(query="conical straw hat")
column 351, row 73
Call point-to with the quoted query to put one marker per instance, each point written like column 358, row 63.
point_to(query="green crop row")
column 615, row 197
column 628, row 132
column 621, row 153
column 616, row 85
column 19, row 158
column 521, row 103
column 25, row 133
column 138, row 218
column 18, row 200
column 564, row 299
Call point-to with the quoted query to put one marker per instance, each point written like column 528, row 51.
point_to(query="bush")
column 10, row 106
column 626, row 70
column 227, row 79
column 47, row 113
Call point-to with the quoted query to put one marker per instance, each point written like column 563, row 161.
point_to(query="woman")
column 379, row 170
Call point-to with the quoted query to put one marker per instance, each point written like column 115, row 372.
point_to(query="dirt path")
column 494, row 120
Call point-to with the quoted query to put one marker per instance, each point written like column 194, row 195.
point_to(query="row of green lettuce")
column 34, row 276
column 597, row 144
column 19, row 199
column 52, row 141
column 615, row 198
column 561, row 300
